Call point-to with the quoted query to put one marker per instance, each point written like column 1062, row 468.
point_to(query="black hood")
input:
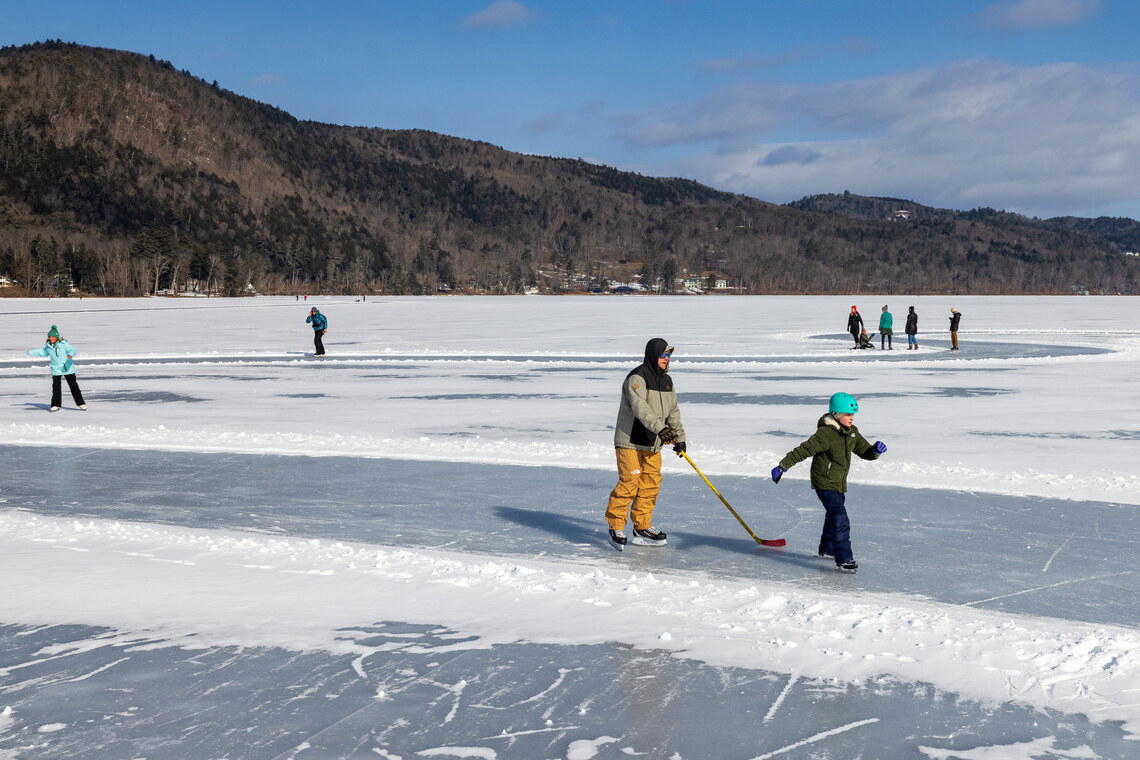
column 655, row 377
column 653, row 350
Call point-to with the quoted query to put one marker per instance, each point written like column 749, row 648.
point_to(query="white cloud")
column 757, row 61
column 545, row 124
column 790, row 154
column 500, row 14
column 267, row 80
column 1037, row 14
column 1041, row 140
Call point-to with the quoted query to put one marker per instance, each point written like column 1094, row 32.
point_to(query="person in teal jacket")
column 320, row 327
column 60, row 354
column 886, row 328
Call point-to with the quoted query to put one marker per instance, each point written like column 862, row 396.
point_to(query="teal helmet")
column 843, row 403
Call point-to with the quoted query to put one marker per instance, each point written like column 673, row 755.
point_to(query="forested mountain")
column 125, row 176
column 1122, row 234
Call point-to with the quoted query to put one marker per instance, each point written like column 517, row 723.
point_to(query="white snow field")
column 397, row 550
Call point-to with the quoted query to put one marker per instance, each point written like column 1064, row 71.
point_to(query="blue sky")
column 1026, row 105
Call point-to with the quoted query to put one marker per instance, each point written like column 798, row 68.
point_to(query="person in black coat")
column 955, row 318
column 855, row 325
column 911, row 329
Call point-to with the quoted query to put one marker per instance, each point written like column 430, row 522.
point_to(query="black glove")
column 679, row 447
column 667, row 435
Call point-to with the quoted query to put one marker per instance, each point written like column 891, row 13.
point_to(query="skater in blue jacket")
column 320, row 327
column 60, row 354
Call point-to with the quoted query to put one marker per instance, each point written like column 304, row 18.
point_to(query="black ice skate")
column 617, row 537
column 649, row 537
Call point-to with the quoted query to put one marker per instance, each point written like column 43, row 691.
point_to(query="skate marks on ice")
column 1025, row 555
column 80, row 692
column 933, row 349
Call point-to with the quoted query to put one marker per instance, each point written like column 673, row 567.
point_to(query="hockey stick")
column 761, row 541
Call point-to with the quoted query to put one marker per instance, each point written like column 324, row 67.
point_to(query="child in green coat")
column 836, row 439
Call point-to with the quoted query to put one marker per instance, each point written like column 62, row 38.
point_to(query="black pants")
column 57, row 390
column 317, row 344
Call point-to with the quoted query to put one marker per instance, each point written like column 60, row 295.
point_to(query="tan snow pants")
column 639, row 481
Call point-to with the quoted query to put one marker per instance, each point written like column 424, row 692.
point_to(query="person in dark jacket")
column 320, row 327
column 836, row 439
column 648, row 419
column 60, row 354
column 911, row 329
column 855, row 324
column 955, row 318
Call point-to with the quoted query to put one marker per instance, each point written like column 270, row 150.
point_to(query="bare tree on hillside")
column 179, row 264
column 216, row 264
column 113, row 269
column 156, row 266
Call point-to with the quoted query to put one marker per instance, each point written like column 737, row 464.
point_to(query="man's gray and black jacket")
column 648, row 403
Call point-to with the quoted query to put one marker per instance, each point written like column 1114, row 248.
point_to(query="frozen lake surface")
column 398, row 550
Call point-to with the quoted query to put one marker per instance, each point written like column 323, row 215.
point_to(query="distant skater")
column 60, row 354
column 911, row 329
column 320, row 327
column 955, row 318
column 855, row 324
column 886, row 322
column 836, row 438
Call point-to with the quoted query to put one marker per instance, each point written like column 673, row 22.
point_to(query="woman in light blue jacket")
column 60, row 354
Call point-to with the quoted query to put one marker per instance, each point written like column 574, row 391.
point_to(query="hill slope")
column 126, row 176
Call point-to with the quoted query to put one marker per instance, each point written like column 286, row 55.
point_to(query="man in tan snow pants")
column 648, row 419
column 639, row 482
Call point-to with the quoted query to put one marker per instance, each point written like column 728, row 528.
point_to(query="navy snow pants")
column 836, row 537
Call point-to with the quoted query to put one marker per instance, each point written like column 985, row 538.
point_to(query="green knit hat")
column 53, row 332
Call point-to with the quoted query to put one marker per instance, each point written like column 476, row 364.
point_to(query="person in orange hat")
column 855, row 325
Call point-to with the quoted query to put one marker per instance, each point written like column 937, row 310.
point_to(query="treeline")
column 123, row 176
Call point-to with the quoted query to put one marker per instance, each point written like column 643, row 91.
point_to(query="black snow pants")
column 57, row 390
